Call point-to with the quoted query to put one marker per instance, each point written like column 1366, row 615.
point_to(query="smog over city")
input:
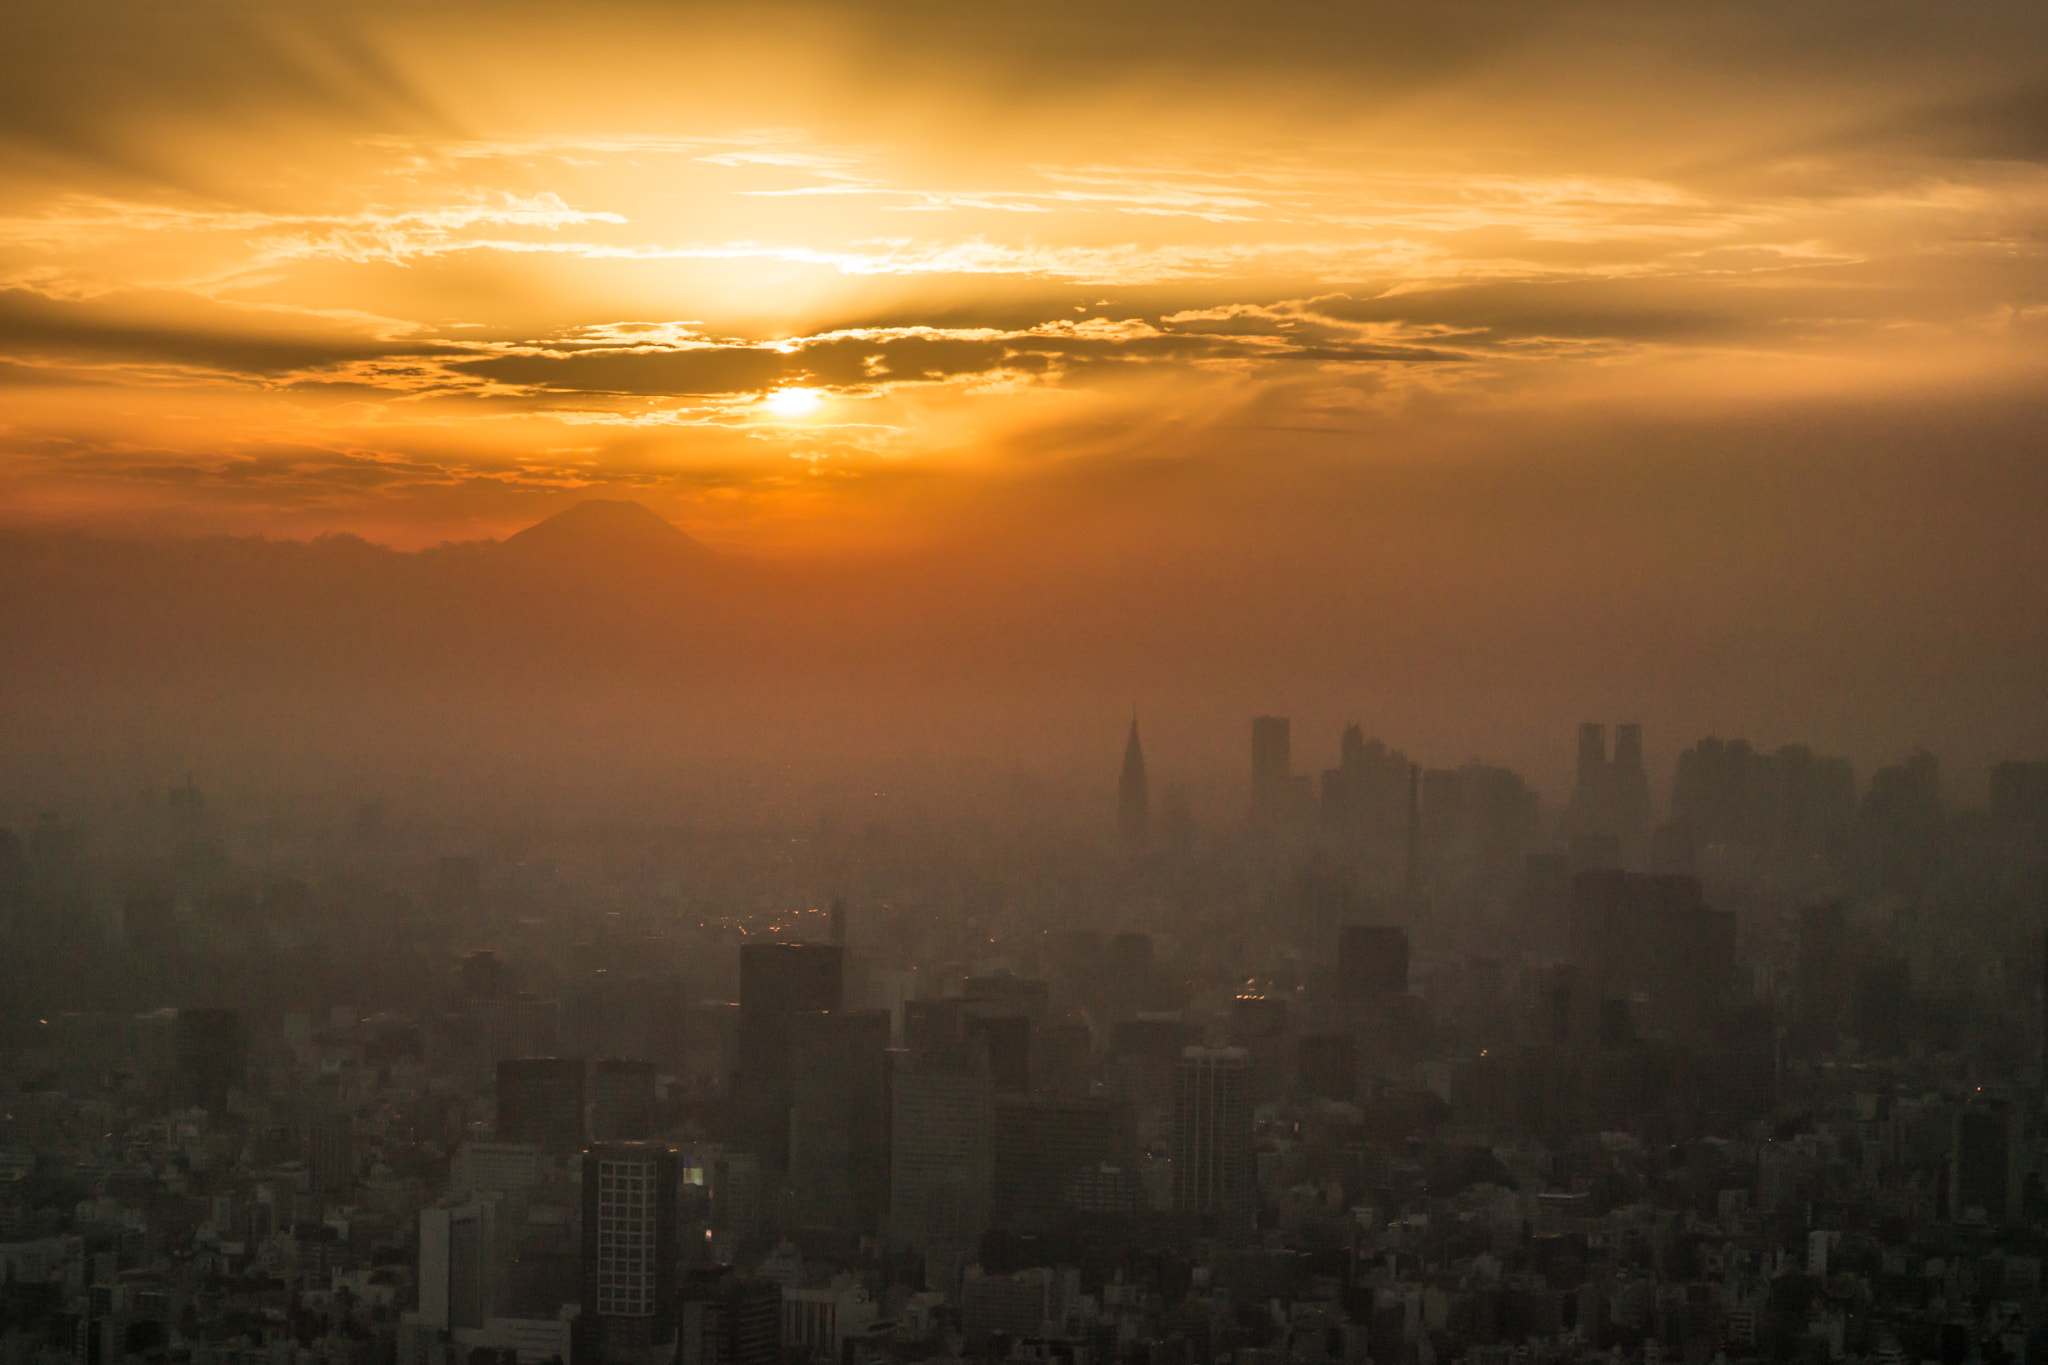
column 869, row 682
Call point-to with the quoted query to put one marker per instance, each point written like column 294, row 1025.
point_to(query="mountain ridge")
column 612, row 527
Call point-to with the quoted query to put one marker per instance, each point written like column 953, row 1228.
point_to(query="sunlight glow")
column 793, row 403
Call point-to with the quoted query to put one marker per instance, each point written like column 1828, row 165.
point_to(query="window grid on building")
column 625, row 1238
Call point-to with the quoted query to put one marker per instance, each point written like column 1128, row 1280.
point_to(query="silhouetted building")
column 931, row 1024
column 839, row 1120
column 1008, row 1038
column 1880, row 1005
column 1902, row 825
column 540, row 1100
column 1133, row 793
column 1612, row 796
column 331, row 1153
column 484, row 977
column 208, row 1056
column 1128, row 973
column 778, row 981
column 2019, row 799
column 1326, row 1065
column 1215, row 1171
column 455, row 1281
column 1791, row 802
column 629, row 1250
column 1372, row 961
column 1820, row 975
column 1272, row 769
column 729, row 1319
column 1985, row 1174
column 1062, row 1059
column 1473, row 827
column 941, row 1136
column 622, row 1100
column 1630, row 783
column 1651, row 940
column 1005, row 993
column 1042, row 1148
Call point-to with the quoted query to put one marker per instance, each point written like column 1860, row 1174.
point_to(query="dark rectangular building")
column 1372, row 961
column 778, row 981
column 540, row 1100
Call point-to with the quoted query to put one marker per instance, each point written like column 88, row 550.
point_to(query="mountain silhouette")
column 609, row 533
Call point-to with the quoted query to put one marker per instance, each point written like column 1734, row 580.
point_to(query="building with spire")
column 1133, row 792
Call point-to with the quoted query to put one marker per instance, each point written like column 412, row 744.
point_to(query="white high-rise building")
column 629, row 1249
column 457, row 1258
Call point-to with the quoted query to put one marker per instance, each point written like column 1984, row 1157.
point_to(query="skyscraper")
column 208, row 1053
column 540, row 1100
column 1611, row 803
column 1372, row 961
column 455, row 1279
column 622, row 1100
column 1592, row 755
column 629, row 1250
column 1630, row 783
column 729, row 1319
column 1133, row 794
column 941, row 1137
column 1272, row 768
column 1214, row 1171
column 838, row 1121
column 331, row 1153
column 778, row 981
column 1043, row 1144
column 1986, row 1170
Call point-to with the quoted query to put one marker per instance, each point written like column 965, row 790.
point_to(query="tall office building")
column 207, row 1054
column 729, row 1319
column 1272, row 769
column 1630, row 783
column 540, row 1100
column 1652, row 946
column 456, row 1280
column 621, row 1100
column 1008, row 1038
column 1986, row 1169
column 839, row 1119
column 1820, row 974
column 1372, row 961
column 1214, row 1165
column 629, row 1250
column 484, row 977
column 931, row 1024
column 1133, row 793
column 778, row 981
column 1043, row 1146
column 331, row 1153
column 1612, row 799
column 940, row 1150
column 1129, row 974
column 1592, row 756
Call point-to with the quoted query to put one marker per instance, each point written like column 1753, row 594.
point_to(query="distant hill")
column 607, row 533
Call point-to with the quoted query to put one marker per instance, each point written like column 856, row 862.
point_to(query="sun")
column 792, row 403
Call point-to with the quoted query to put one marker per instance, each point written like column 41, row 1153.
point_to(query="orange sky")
column 1463, row 367
column 432, row 271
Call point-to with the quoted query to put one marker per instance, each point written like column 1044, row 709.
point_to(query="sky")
column 1686, row 360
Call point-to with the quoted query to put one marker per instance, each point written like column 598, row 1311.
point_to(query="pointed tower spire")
column 1133, row 792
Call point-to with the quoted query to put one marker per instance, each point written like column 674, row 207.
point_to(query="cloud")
column 178, row 329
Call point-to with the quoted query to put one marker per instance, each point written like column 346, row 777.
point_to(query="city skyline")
column 892, row 682
column 1338, row 360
